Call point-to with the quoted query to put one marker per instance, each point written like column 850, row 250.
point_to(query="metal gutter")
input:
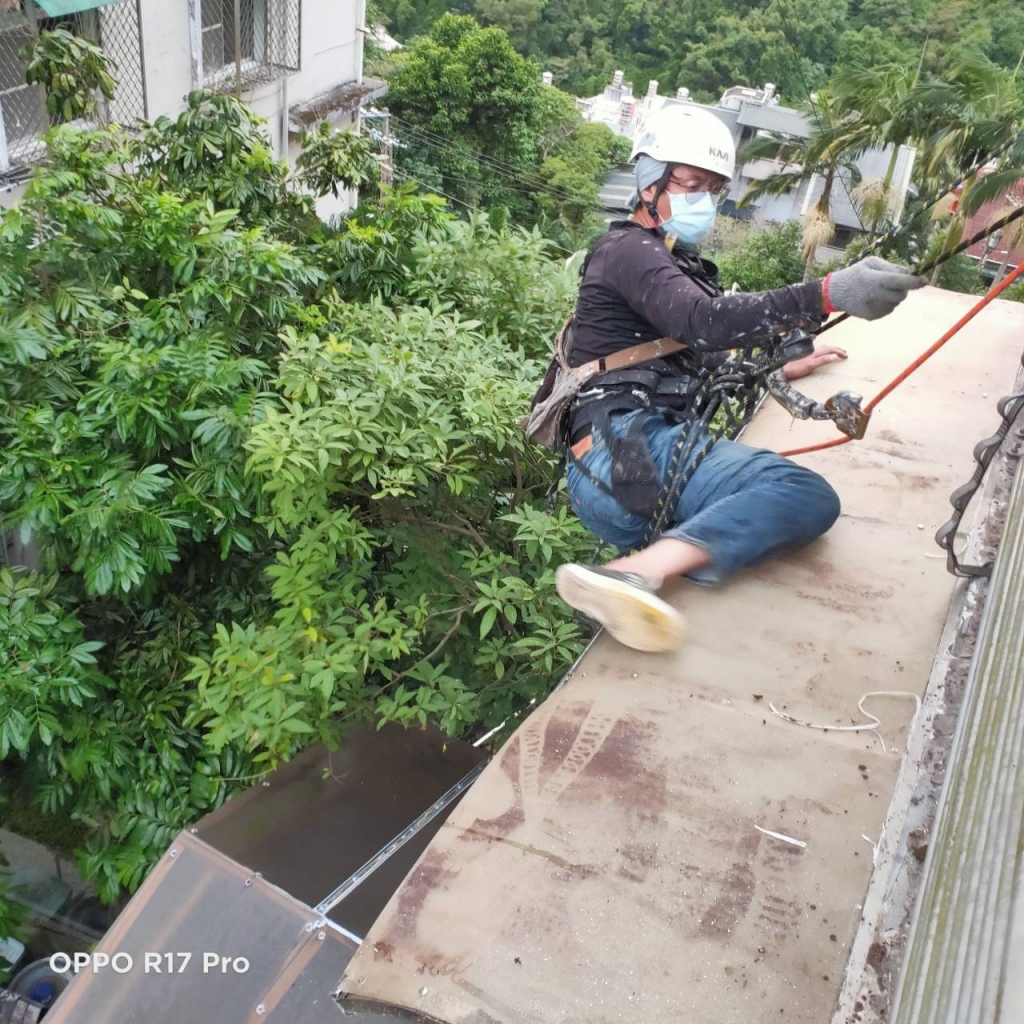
column 956, row 962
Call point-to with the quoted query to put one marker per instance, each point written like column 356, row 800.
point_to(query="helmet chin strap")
column 652, row 206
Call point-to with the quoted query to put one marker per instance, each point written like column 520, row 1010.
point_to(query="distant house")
column 993, row 254
column 294, row 62
column 747, row 112
column 615, row 107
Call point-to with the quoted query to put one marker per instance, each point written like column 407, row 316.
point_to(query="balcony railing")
column 246, row 43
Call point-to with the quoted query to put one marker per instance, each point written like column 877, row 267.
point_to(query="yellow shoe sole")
column 633, row 616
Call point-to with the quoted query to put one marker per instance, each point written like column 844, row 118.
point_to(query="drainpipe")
column 195, row 34
column 238, row 48
column 360, row 38
column 5, row 157
column 284, row 117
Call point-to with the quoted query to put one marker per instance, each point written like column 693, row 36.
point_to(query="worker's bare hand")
column 819, row 357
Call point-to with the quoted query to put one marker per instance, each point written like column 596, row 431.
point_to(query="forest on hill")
column 708, row 45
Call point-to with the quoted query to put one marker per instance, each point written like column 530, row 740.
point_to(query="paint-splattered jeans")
column 741, row 505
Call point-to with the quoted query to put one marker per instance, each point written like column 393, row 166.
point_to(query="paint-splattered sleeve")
column 648, row 279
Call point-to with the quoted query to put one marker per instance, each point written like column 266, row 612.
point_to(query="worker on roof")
column 741, row 504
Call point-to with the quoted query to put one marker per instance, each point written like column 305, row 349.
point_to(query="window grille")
column 115, row 27
column 249, row 42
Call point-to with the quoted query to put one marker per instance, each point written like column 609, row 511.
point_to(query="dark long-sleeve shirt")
column 634, row 291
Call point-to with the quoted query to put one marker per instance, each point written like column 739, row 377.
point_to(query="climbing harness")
column 689, row 395
column 730, row 394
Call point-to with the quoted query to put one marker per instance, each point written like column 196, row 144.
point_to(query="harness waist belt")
column 627, row 392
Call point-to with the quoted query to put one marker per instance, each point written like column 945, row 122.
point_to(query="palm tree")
column 976, row 109
column 829, row 152
column 881, row 101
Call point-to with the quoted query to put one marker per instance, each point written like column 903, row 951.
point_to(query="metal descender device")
column 844, row 408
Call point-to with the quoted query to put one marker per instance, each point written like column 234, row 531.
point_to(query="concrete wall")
column 167, row 55
column 10, row 194
column 332, row 51
column 331, row 47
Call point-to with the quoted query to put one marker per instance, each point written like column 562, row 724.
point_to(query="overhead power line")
column 469, row 206
column 532, row 183
column 501, row 166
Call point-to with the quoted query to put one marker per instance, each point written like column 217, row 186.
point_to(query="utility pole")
column 387, row 173
column 387, row 164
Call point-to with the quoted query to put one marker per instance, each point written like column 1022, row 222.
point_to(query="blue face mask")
column 693, row 214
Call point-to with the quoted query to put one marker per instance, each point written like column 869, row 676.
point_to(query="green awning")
column 55, row 8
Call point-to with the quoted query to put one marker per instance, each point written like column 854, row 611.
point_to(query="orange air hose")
column 993, row 293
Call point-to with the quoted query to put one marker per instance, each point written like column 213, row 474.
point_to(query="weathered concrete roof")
column 614, row 862
column 341, row 101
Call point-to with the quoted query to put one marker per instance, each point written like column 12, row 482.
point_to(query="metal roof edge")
column 955, row 963
column 877, row 951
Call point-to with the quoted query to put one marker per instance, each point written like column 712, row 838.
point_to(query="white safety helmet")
column 688, row 135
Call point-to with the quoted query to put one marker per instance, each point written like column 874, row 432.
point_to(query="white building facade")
column 294, row 62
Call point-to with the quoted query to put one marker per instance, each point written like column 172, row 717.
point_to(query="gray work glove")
column 872, row 288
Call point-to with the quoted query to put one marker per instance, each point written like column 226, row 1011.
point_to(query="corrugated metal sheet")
column 957, row 969
column 179, row 942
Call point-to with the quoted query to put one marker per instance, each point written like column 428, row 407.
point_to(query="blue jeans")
column 741, row 505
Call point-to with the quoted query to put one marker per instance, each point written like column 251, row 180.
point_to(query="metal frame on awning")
column 56, row 8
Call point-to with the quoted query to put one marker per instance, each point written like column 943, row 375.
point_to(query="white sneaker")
column 624, row 604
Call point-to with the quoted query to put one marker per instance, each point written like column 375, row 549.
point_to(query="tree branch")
column 518, row 496
column 426, row 657
column 466, row 531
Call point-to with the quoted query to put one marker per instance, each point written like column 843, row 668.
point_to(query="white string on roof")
column 872, row 726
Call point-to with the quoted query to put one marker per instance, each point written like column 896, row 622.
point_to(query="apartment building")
column 295, row 62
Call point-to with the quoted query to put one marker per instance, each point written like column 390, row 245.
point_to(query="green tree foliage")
column 709, row 45
column 1015, row 293
column 461, row 92
column 766, row 259
column 518, row 19
column 473, row 122
column 12, row 913
column 71, row 71
column 579, row 162
column 271, row 470
column 332, row 160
